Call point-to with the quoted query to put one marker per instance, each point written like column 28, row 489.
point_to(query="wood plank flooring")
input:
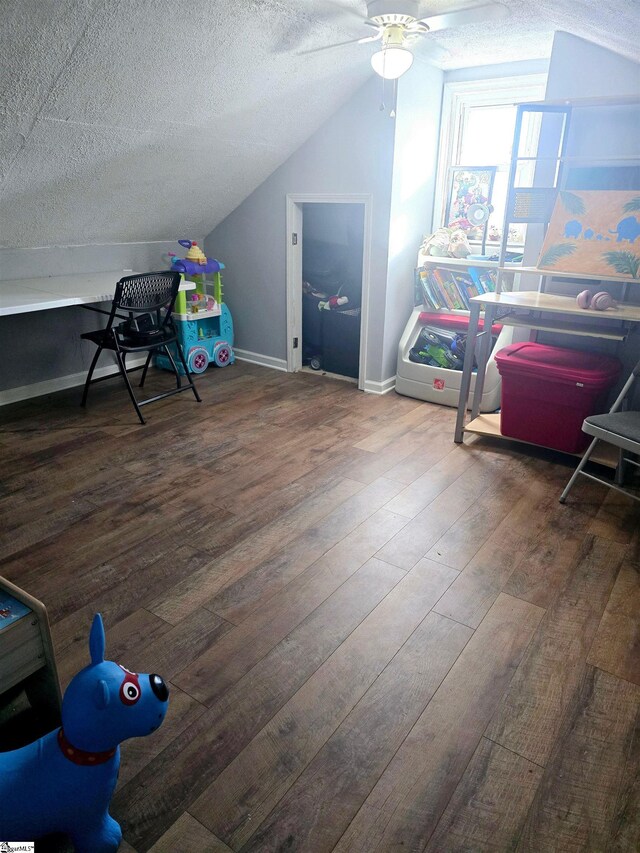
column 375, row 639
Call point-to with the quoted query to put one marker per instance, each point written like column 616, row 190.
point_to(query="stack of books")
column 439, row 287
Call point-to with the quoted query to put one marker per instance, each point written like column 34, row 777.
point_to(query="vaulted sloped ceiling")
column 127, row 120
column 134, row 120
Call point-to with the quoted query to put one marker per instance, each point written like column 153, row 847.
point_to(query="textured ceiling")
column 126, row 120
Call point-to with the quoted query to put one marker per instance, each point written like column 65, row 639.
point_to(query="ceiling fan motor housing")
column 393, row 11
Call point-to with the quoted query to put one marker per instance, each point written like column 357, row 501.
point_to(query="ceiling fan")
column 398, row 26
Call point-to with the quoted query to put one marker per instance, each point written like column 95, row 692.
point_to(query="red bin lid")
column 454, row 322
column 568, row 365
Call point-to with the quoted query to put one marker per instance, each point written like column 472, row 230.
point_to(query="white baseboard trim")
column 73, row 380
column 59, row 383
column 384, row 387
column 263, row 360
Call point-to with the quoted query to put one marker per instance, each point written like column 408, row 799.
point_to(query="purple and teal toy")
column 196, row 262
column 203, row 322
column 64, row 781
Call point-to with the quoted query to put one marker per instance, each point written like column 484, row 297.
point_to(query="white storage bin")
column 437, row 384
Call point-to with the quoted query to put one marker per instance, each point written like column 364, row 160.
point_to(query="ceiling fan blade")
column 337, row 44
column 376, row 37
column 471, row 15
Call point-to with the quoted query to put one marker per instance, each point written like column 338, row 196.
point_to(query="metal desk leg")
column 619, row 474
column 484, row 351
column 467, row 370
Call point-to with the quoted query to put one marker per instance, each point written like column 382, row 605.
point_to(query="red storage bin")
column 547, row 392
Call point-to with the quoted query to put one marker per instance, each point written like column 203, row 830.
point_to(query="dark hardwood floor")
column 376, row 640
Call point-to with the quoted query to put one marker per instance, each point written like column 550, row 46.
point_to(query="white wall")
column 71, row 260
column 413, row 187
column 353, row 152
column 491, row 72
column 581, row 69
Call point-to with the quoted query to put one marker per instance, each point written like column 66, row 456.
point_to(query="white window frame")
column 456, row 99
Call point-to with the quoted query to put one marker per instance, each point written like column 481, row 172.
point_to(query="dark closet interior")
column 332, row 248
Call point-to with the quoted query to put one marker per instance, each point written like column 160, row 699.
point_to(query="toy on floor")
column 332, row 303
column 202, row 320
column 64, row 781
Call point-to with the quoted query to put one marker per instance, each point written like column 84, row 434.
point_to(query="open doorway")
column 332, row 246
column 327, row 283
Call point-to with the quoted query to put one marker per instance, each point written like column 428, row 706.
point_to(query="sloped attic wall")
column 353, row 152
column 126, row 125
column 143, row 120
column 581, row 69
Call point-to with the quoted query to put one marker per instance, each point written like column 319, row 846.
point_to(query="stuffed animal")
column 458, row 244
column 64, row 781
column 446, row 242
column 436, row 244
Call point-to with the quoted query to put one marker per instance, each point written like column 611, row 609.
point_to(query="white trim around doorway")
column 294, row 273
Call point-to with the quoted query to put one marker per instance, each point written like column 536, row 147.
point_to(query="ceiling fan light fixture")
column 392, row 62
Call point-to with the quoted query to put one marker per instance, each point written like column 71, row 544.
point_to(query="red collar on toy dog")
column 80, row 756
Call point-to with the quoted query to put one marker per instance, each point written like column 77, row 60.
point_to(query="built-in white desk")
column 31, row 295
column 42, row 294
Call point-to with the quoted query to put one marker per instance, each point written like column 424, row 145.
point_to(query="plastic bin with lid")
column 548, row 391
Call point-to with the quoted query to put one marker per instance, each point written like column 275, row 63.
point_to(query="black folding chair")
column 147, row 326
column 622, row 429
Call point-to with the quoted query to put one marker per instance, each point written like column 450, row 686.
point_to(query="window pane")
column 530, row 132
column 487, row 135
column 517, row 231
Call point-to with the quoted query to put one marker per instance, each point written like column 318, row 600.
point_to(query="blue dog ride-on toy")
column 64, row 781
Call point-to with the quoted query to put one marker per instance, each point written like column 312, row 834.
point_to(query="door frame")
column 294, row 273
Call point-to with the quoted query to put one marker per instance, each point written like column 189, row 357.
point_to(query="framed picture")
column 470, row 185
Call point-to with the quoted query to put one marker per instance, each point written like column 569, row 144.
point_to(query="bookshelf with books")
column 447, row 284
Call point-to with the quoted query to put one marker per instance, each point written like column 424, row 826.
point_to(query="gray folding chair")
column 622, row 429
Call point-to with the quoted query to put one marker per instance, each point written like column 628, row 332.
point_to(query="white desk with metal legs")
column 534, row 310
column 42, row 294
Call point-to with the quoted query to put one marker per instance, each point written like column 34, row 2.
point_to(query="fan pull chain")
column 392, row 114
column 394, row 95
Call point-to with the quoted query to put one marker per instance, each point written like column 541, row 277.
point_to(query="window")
column 477, row 131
